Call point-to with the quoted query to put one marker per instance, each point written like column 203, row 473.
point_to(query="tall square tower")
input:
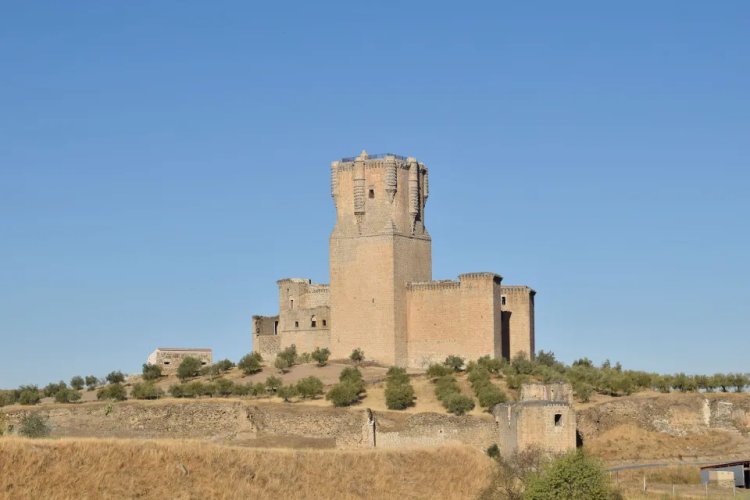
column 378, row 245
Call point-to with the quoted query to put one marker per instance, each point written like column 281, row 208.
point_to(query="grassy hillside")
column 91, row 468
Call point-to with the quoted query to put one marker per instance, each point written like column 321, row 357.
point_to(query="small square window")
column 296, row 324
column 558, row 419
column 502, row 299
column 325, row 323
column 371, row 194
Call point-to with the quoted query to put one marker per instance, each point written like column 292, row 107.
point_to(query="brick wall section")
column 519, row 320
column 543, row 419
column 169, row 359
column 433, row 429
column 265, row 325
column 453, row 317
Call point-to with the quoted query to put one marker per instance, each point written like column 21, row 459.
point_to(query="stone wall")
column 547, row 392
column 518, row 320
column 433, row 429
column 453, row 317
column 543, row 418
column 169, row 359
column 255, row 423
column 550, row 426
column 265, row 325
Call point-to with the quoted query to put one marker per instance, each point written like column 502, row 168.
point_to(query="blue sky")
column 163, row 163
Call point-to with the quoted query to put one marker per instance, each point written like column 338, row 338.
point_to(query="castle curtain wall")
column 453, row 318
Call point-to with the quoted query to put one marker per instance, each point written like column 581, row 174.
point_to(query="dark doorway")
column 505, row 319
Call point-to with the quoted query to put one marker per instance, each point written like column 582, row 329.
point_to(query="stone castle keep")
column 382, row 298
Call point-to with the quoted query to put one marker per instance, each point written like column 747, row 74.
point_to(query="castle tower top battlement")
column 379, row 194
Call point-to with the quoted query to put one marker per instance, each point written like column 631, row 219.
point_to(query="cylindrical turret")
column 359, row 186
column 334, row 181
column 390, row 177
column 413, row 191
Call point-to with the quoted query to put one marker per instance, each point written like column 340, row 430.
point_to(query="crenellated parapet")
column 377, row 194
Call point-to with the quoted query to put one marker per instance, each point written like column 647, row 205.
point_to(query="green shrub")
column 67, row 396
column 91, row 382
column 583, row 391
column 492, row 365
column 438, row 370
column 223, row 365
column 353, row 376
column 455, row 363
column 289, row 355
column 189, row 367
column 8, row 397
column 282, row 364
column 242, row 389
column 458, row 404
column 344, row 394
column 151, row 372
column 146, row 390
column 490, row 395
column 180, row 391
column 114, row 392
column 303, row 358
column 77, row 383
column 287, row 392
column 321, row 355
column 223, row 387
column 357, row 355
column 445, row 386
column 521, row 364
column 399, row 395
column 116, row 377
column 51, row 389
column 397, row 375
column 310, row 387
column 493, row 451
column 29, row 395
column 250, row 363
column 574, row 475
column 273, row 384
column 34, row 426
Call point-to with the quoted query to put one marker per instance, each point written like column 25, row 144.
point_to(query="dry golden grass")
column 629, row 443
column 93, row 468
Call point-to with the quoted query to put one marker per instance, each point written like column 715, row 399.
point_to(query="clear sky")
column 162, row 164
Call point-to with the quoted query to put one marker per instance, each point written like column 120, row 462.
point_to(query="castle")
column 382, row 298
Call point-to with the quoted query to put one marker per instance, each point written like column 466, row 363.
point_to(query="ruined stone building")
column 169, row 358
column 382, row 297
column 542, row 418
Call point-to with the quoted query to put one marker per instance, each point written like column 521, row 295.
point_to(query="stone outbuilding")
column 543, row 418
column 169, row 358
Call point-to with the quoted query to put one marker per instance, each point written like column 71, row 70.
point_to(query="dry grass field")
column 92, row 468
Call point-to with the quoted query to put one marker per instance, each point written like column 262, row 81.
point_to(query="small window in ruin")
column 313, row 322
column 324, row 323
column 296, row 324
column 203, row 363
column 371, row 194
column 257, row 330
column 558, row 419
column 502, row 299
column 166, row 362
column 291, row 303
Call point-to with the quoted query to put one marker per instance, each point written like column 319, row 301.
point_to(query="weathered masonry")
column 169, row 358
column 382, row 297
column 543, row 418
